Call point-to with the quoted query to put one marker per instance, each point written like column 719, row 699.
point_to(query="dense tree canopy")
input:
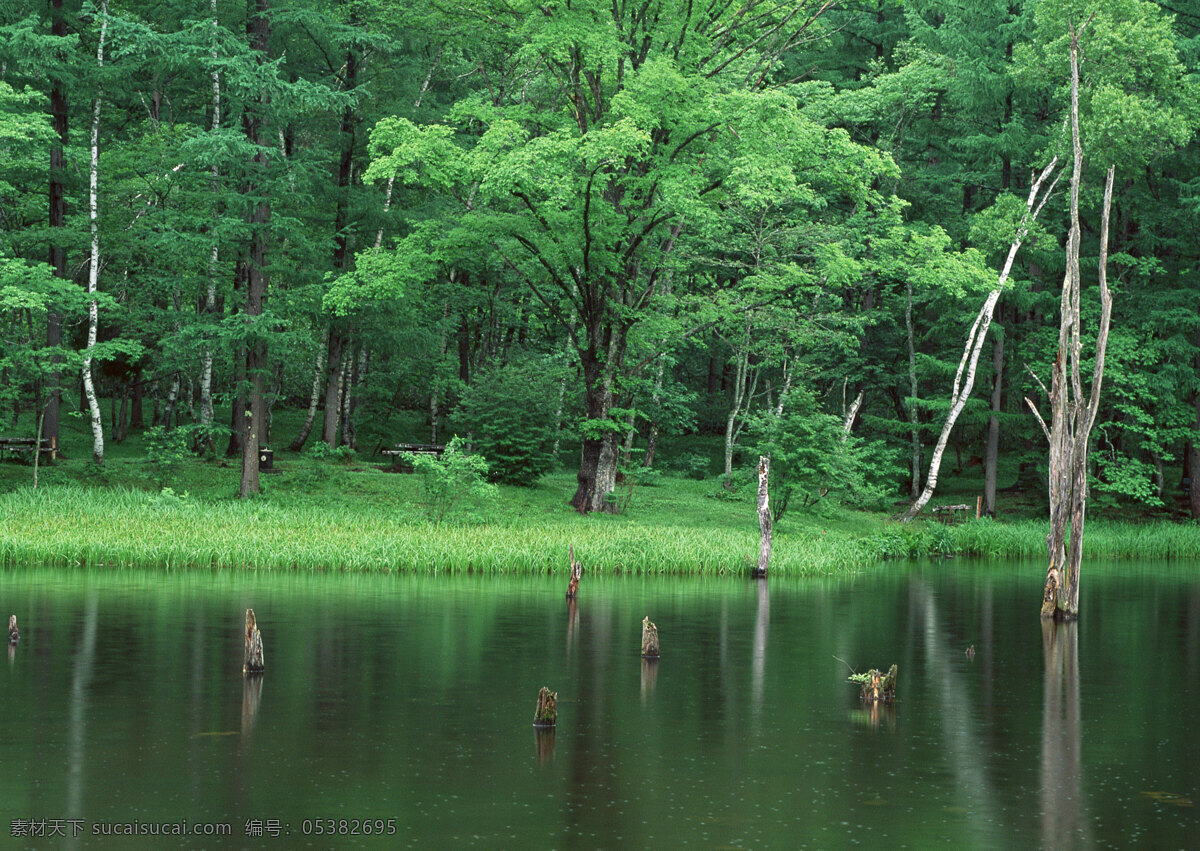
column 774, row 223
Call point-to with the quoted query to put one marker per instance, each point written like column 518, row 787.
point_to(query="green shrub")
column 448, row 481
column 510, row 413
column 319, row 451
column 812, row 457
column 165, row 451
column 692, row 465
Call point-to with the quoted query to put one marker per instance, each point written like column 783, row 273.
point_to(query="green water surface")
column 403, row 705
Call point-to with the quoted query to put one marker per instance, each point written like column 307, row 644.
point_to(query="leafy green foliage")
column 452, row 480
column 166, row 449
column 812, row 457
column 509, row 411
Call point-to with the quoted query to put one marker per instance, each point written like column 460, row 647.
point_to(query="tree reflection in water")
column 1063, row 821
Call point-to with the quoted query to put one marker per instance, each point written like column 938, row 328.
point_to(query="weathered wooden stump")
column 576, row 574
column 546, row 714
column 253, row 663
column 650, row 647
column 878, row 687
column 14, row 634
column 764, row 518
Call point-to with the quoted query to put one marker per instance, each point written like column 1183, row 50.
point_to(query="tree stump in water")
column 14, row 634
column 576, row 574
column 546, row 714
column 878, row 687
column 649, row 639
column 764, row 517
column 253, row 663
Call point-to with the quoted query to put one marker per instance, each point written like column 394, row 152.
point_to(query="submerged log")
column 576, row 574
column 878, row 687
column 546, row 714
column 649, row 639
column 14, row 635
column 253, row 663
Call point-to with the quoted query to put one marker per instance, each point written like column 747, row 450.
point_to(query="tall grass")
column 1102, row 539
column 71, row 526
column 75, row 526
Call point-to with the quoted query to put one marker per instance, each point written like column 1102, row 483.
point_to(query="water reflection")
column 408, row 701
column 544, row 743
column 572, row 622
column 762, row 618
column 81, row 680
column 251, row 697
column 649, row 676
column 1064, row 822
column 946, row 670
column 877, row 713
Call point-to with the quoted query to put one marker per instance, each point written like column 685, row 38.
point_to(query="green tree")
column 632, row 127
column 509, row 412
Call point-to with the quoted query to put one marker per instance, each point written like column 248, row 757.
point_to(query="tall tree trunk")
column 314, row 398
column 1072, row 416
column 597, row 475
column 137, row 391
column 355, row 371
column 89, row 388
column 258, row 28
column 992, row 452
column 745, row 383
column 1192, row 461
column 57, row 222
column 851, row 412
column 435, row 390
column 659, row 374
column 964, row 378
column 334, row 370
column 237, row 411
column 655, row 398
column 204, row 439
column 387, row 205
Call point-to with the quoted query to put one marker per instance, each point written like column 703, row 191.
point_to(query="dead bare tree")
column 1072, row 415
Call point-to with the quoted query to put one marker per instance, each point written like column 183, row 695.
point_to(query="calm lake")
column 403, row 706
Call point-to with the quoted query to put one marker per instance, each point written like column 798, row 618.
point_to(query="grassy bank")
column 76, row 526
column 352, row 514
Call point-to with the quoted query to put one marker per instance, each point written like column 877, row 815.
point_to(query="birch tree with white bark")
column 89, row 388
column 964, row 377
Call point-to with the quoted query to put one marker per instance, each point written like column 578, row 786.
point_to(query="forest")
column 820, row 231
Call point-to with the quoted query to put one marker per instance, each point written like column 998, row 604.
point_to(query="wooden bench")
column 23, row 446
column 951, row 514
column 399, row 450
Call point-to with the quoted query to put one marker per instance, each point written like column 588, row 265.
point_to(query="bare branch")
column 1041, row 421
